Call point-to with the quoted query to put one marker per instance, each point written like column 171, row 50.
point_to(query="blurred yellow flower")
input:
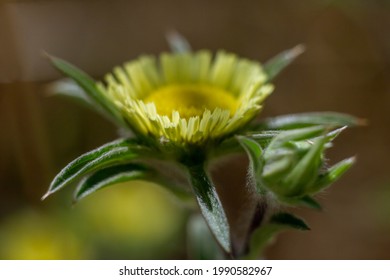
column 30, row 235
column 134, row 212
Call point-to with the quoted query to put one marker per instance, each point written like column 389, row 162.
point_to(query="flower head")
column 187, row 98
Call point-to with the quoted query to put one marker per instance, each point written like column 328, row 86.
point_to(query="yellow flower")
column 187, row 98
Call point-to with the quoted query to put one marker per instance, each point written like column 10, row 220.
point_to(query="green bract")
column 176, row 136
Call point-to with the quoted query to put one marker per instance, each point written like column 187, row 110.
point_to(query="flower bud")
column 292, row 164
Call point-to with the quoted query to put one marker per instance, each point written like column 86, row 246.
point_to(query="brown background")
column 345, row 69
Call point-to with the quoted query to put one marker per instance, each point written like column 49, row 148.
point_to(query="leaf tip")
column 297, row 51
column 46, row 195
column 351, row 160
column 45, row 54
column 348, row 162
column 341, row 129
column 306, row 227
column 176, row 41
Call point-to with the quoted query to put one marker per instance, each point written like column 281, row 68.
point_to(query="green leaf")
column 330, row 136
column 264, row 134
column 288, row 220
column 276, row 64
column 230, row 145
column 116, row 152
column 276, row 168
column 305, row 171
column 296, row 135
column 88, row 85
column 177, row 42
column 254, row 152
column 210, row 206
column 306, row 144
column 109, row 176
column 309, row 119
column 263, row 137
column 333, row 174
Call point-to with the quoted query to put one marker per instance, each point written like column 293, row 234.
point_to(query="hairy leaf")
column 109, row 176
column 254, row 152
column 229, row 145
column 305, row 172
column 309, row 119
column 276, row 168
column 116, row 152
column 296, row 135
column 210, row 205
column 333, row 174
column 263, row 137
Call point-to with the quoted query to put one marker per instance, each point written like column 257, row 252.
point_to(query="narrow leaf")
column 112, row 153
column 296, row 135
column 88, row 85
column 109, row 176
column 274, row 169
column 276, row 64
column 289, row 220
column 230, row 146
column 333, row 174
column 330, row 136
column 309, row 119
column 306, row 169
column 177, row 42
column 254, row 152
column 264, row 134
column 305, row 145
column 210, row 206
column 263, row 137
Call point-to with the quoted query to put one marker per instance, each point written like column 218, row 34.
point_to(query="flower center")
column 191, row 100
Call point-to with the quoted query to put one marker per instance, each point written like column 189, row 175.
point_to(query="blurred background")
column 346, row 68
